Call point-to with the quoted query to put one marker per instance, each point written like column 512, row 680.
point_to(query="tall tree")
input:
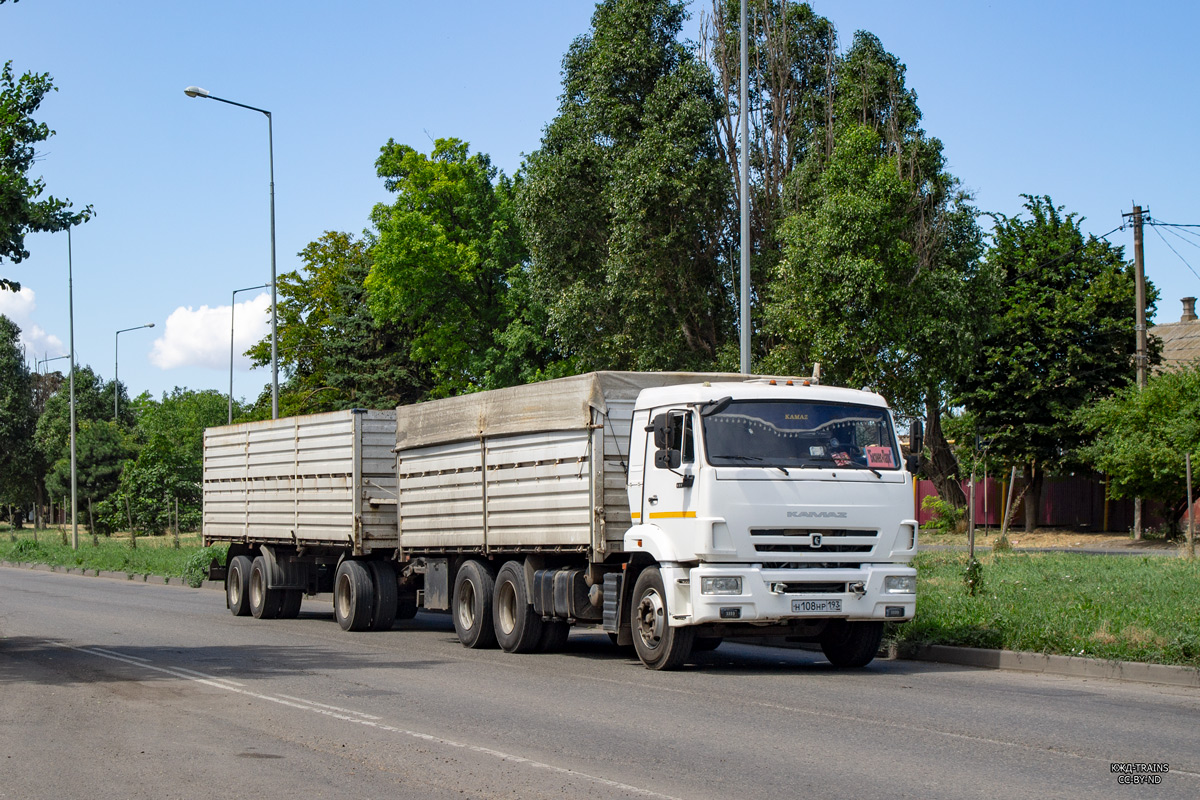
column 448, row 251
column 625, row 205
column 792, row 56
column 101, row 450
column 1061, row 339
column 881, row 278
column 1139, row 437
column 21, row 210
column 16, row 419
column 335, row 354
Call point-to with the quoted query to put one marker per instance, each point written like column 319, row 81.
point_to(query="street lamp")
column 42, row 362
column 232, row 306
column 196, row 91
column 71, row 312
column 116, row 361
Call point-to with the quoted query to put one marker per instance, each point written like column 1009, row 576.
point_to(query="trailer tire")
column 554, row 636
column 406, row 605
column 265, row 602
column 851, row 644
column 518, row 628
column 237, row 586
column 383, row 610
column 353, row 596
column 658, row 645
column 472, row 605
column 292, row 600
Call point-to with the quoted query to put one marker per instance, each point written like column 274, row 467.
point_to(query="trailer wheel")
column 851, row 644
column 265, row 602
column 554, row 636
column 237, row 586
column 353, row 596
column 472, row 605
column 518, row 628
column 406, row 605
column 383, row 611
column 290, row 607
column 658, row 645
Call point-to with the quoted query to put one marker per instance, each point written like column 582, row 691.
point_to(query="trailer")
column 670, row 509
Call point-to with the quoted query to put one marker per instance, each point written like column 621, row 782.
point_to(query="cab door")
column 668, row 496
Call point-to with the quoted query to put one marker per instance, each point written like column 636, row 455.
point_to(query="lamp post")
column 196, row 91
column 116, row 363
column 71, row 312
column 42, row 362
column 232, row 307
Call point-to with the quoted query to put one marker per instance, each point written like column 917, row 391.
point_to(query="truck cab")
column 769, row 505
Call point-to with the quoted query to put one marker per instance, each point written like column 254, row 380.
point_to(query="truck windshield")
column 788, row 433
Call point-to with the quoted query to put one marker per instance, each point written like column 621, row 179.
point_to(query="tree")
column 93, row 401
column 21, row 211
column 1061, row 339
column 16, row 420
column 448, row 251
column 101, row 450
column 169, row 465
column 335, row 354
column 880, row 279
column 1139, row 437
column 792, row 56
column 626, row 204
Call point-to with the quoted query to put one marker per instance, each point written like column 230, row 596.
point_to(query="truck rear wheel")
column 353, row 596
column 658, row 645
column 265, row 602
column 290, row 607
column 518, row 628
column 472, row 605
column 383, row 611
column 237, row 586
column 851, row 644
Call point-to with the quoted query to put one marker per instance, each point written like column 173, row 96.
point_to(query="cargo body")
column 671, row 509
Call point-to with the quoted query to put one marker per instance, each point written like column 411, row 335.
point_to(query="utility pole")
column 1141, row 359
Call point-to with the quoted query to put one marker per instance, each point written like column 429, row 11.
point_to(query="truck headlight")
column 900, row 584
column 721, row 585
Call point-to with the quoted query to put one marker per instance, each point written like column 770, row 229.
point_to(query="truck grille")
column 813, row 541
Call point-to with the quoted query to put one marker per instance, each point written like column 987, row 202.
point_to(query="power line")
column 1176, row 252
column 1184, row 239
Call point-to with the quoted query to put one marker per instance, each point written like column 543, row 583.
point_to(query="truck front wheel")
column 658, row 645
column 851, row 644
column 472, row 605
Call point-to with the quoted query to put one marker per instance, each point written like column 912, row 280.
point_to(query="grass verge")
column 1126, row 608
column 154, row 555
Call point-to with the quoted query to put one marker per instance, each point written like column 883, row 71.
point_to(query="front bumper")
column 767, row 594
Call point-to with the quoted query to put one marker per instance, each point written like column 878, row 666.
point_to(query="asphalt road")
column 130, row 690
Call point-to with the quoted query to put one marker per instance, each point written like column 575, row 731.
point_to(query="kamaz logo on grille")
column 815, row 541
column 818, row 514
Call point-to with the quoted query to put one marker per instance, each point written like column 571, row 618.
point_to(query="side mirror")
column 668, row 459
column 916, row 437
column 913, row 463
column 664, row 430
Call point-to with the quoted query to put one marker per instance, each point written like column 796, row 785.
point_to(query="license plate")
column 817, row 606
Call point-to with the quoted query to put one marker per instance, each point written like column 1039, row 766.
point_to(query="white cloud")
column 200, row 337
column 19, row 307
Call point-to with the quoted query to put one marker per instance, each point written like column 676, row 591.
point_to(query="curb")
column 1013, row 660
column 1067, row 666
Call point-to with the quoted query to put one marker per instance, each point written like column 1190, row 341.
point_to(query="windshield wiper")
column 752, row 458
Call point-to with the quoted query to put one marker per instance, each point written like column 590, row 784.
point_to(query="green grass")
column 155, row 555
column 1128, row 608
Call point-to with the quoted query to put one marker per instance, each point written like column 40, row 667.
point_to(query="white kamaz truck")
column 670, row 509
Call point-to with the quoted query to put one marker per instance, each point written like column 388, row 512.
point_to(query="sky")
column 1096, row 104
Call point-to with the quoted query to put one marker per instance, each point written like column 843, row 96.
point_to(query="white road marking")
column 357, row 718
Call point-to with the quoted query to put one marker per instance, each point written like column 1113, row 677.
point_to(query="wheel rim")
column 235, row 587
column 466, row 606
column 506, row 607
column 651, row 619
column 343, row 597
column 256, row 588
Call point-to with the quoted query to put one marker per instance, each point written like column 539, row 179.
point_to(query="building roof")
column 1180, row 340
